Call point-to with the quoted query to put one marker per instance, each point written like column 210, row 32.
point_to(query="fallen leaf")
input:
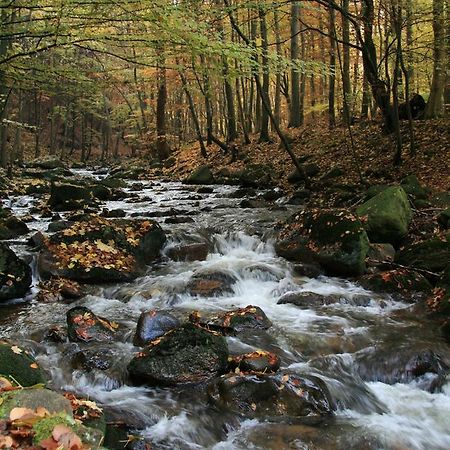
column 16, row 350
column 20, row 413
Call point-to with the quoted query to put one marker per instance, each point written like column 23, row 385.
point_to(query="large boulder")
column 84, row 326
column 255, row 362
column 332, row 239
column 68, row 197
column 100, row 250
column 48, row 163
column 310, row 170
column 188, row 252
column 285, row 395
column 11, row 227
column 387, row 215
column 19, row 366
column 201, row 175
column 432, row 255
column 412, row 186
column 208, row 282
column 152, row 325
column 15, row 274
column 257, row 176
column 186, row 355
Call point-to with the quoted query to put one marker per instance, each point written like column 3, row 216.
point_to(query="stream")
column 332, row 341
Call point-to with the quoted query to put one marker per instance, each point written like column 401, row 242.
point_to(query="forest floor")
column 372, row 155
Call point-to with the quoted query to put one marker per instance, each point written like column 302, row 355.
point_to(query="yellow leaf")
column 16, row 350
column 34, row 366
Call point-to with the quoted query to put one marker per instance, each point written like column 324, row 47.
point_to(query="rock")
column 99, row 250
column 113, row 183
column 307, row 270
column 256, row 176
column 15, row 274
column 186, row 355
column 59, row 225
column 312, row 300
column 273, row 194
column 402, row 283
column 444, row 218
column 253, row 203
column 113, row 213
column 11, row 227
column 152, row 325
column 101, row 192
column 243, row 192
column 380, row 253
column 57, row 289
column 402, row 365
column 37, row 187
column 207, row 283
column 334, row 172
column 267, row 396
column 68, row 197
column 188, row 252
column 332, row 239
column 374, row 190
column 241, row 319
column 299, row 197
column 51, row 162
column 84, row 326
column 256, row 362
column 441, row 199
column 88, row 360
column 387, row 216
column 179, row 220
column 411, row 186
column 32, row 399
column 205, row 190
column 201, row 175
column 311, row 170
column 19, row 366
column 432, row 255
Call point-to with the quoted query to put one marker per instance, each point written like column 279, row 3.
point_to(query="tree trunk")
column 264, row 132
column 435, row 105
column 332, row 78
column 295, row 120
column 162, row 147
column 346, row 83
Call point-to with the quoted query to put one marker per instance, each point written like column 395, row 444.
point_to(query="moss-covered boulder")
column 68, row 197
column 332, row 239
column 186, row 355
column 401, row 283
column 444, row 218
column 257, row 176
column 19, row 366
column 285, row 395
column 101, row 192
column 32, row 399
column 386, row 216
column 412, row 187
column 201, row 175
column 15, row 274
column 432, row 255
column 101, row 250
column 48, row 163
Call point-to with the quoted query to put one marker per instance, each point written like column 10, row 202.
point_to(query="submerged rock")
column 210, row 282
column 332, row 239
column 152, row 325
column 19, row 366
column 311, row 299
column 256, row 362
column 241, row 319
column 84, row 326
column 188, row 252
column 403, row 365
column 387, row 215
column 15, row 274
column 185, row 355
column 267, row 396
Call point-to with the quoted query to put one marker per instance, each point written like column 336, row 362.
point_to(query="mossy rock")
column 201, row 175
column 15, row 274
column 386, row 216
column 113, row 183
column 401, row 283
column 412, row 186
column 444, row 218
column 374, row 190
column 333, row 239
column 43, row 429
column 441, row 199
column 432, row 255
column 257, row 176
column 186, row 355
column 101, row 192
column 34, row 398
column 12, row 227
column 68, row 197
column 18, row 366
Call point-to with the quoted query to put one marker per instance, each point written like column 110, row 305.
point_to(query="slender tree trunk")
column 295, row 120
column 332, row 78
column 435, row 105
column 277, row 101
column 264, row 133
column 162, row 147
column 346, row 83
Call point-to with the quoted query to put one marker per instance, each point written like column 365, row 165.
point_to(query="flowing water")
column 328, row 341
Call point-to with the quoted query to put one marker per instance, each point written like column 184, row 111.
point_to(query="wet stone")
column 283, row 395
column 186, row 355
column 188, row 252
column 259, row 361
column 84, row 326
column 152, row 325
column 207, row 283
column 311, row 299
